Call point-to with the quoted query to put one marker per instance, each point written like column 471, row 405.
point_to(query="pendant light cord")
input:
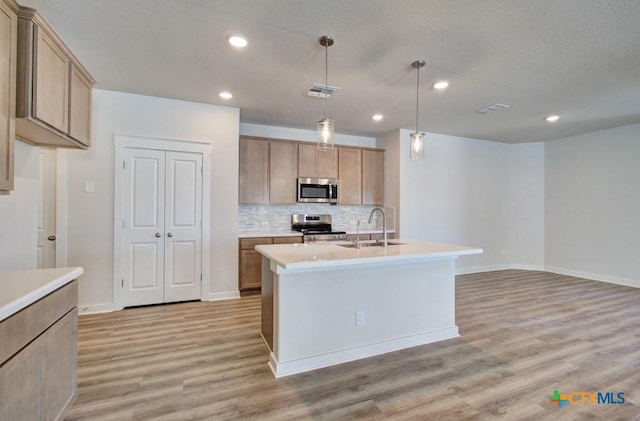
column 417, row 97
column 326, row 78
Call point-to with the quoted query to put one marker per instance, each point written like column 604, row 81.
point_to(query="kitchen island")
column 326, row 304
column 38, row 343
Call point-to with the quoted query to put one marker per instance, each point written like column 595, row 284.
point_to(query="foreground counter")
column 38, row 343
column 323, row 304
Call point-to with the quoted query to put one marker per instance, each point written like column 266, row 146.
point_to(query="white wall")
column 526, row 200
column 470, row 192
column 593, row 205
column 19, row 212
column 302, row 135
column 90, row 219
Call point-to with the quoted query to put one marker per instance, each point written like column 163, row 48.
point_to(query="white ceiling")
column 576, row 58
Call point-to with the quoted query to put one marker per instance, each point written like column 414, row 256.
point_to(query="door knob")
column 158, row 235
column 169, row 235
column 51, row 238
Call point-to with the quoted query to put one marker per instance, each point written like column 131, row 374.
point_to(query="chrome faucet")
column 384, row 223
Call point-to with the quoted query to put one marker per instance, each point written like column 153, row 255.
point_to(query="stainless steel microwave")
column 318, row 190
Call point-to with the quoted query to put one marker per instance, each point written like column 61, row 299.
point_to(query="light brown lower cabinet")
column 250, row 264
column 39, row 381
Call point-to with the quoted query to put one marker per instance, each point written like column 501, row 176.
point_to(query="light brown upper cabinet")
column 317, row 163
column 349, row 176
column 53, row 105
column 8, row 59
column 372, row 177
column 254, row 171
column 283, row 171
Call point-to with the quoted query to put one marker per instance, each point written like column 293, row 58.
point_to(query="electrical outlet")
column 359, row 317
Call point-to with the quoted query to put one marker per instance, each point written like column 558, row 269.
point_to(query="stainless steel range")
column 316, row 228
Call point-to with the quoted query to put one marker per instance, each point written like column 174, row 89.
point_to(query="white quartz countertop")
column 21, row 288
column 326, row 255
column 259, row 234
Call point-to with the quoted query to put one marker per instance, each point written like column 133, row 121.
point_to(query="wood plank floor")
column 523, row 334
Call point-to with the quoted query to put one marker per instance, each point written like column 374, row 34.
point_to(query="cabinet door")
column 254, row 171
column 59, row 388
column 250, row 269
column 350, row 176
column 8, row 43
column 372, row 177
column 307, row 166
column 79, row 107
column 327, row 163
column 283, row 170
column 315, row 163
column 20, row 386
column 51, row 82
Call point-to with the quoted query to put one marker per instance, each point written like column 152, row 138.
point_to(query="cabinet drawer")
column 250, row 243
column 21, row 328
column 287, row 240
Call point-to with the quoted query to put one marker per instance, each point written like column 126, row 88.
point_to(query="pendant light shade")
column 326, row 126
column 416, row 150
column 417, row 145
column 325, row 134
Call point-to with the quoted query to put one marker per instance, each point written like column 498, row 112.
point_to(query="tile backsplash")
column 278, row 217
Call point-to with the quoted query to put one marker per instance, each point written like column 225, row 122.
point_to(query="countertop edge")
column 366, row 260
column 266, row 234
column 31, row 297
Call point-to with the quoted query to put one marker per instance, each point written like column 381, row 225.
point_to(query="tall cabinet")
column 8, row 49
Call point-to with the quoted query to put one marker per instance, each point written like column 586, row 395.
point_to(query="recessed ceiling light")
column 376, row 117
column 553, row 118
column 237, row 40
column 440, row 85
column 226, row 95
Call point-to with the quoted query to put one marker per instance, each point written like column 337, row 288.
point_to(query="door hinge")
column 124, row 164
column 200, row 277
column 122, row 283
column 124, row 223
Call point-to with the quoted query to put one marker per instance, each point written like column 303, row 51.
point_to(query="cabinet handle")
column 169, row 235
column 51, row 238
column 158, row 235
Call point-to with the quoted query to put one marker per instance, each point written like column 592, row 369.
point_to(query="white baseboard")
column 281, row 369
column 95, row 308
column 227, row 295
column 107, row 308
column 528, row 267
column 478, row 269
column 594, row 277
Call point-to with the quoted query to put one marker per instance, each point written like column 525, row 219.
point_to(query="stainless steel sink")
column 364, row 245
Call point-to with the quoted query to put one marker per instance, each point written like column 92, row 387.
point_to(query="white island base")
column 336, row 305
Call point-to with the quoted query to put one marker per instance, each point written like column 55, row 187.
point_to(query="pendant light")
column 325, row 126
column 417, row 138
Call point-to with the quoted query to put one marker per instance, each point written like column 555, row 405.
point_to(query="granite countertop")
column 21, row 288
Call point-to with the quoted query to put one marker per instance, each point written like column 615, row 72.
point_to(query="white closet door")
column 143, row 227
column 183, row 226
column 47, row 209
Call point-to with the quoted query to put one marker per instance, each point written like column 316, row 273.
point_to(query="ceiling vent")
column 492, row 108
column 318, row 90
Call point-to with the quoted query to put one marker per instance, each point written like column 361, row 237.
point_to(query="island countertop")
column 309, row 256
column 21, row 288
